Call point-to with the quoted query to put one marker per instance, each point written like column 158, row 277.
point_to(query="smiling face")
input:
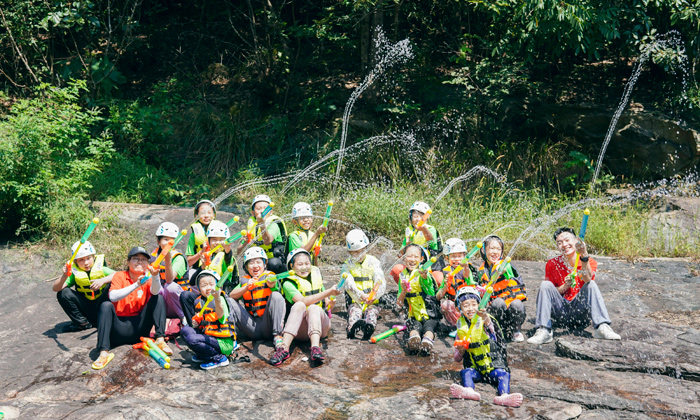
column 214, row 242
column 258, row 208
column 494, row 252
column 302, row 265
column 207, row 284
column 304, row 222
column 412, row 257
column 566, row 242
column 255, row 267
column 455, row 258
column 205, row 214
column 85, row 263
column 469, row 307
column 416, row 216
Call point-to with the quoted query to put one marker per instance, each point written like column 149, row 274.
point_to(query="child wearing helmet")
column 306, row 299
column 426, row 236
column 415, row 286
column 91, row 278
column 303, row 237
column 456, row 250
column 508, row 290
column 212, row 336
column 259, row 307
column 204, row 212
column 365, row 277
column 482, row 352
column 172, row 268
column 269, row 233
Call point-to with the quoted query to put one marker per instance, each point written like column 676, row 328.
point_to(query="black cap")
column 138, row 250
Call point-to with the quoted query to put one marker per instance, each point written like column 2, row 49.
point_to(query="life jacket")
column 210, row 323
column 363, row 274
column 217, row 263
column 154, row 254
column 83, row 278
column 458, row 282
column 415, row 297
column 505, row 287
column 305, row 236
column 200, row 236
column 253, row 225
column 479, row 350
column 308, row 288
column 255, row 301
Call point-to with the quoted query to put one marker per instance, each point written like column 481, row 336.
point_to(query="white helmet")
column 420, row 206
column 254, row 252
column 261, row 197
column 207, row 273
column 296, row 252
column 455, row 245
column 196, row 207
column 302, row 209
column 168, row 229
column 356, row 240
column 217, row 229
column 465, row 292
column 85, row 250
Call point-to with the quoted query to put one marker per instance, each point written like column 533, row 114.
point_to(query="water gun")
column 159, row 259
column 581, row 234
column 267, row 210
column 83, row 239
column 207, row 254
column 372, row 294
column 179, row 237
column 274, row 277
column 149, row 343
column 389, row 333
column 338, row 286
column 421, row 222
column 164, row 363
column 232, row 221
column 237, row 236
column 451, row 276
column 317, row 246
column 219, row 284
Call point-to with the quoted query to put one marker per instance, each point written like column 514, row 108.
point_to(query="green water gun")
column 317, row 245
column 83, row 239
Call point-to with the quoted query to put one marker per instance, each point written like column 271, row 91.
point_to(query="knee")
column 298, row 307
column 498, row 304
column 107, row 307
column 174, row 288
column 547, row 285
column 276, row 298
column 314, row 310
column 517, row 306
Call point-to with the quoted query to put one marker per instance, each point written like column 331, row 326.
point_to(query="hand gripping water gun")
column 207, row 254
column 389, row 333
column 219, row 285
column 338, row 286
column 159, row 259
column 83, row 239
column 232, row 221
column 317, row 245
column 421, row 222
column 426, row 265
column 274, row 277
column 581, row 234
column 372, row 294
column 465, row 260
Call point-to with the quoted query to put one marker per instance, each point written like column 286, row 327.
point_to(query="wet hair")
column 420, row 249
column 486, row 243
column 562, row 230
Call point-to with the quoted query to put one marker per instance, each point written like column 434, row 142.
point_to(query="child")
column 485, row 359
column 415, row 285
column 172, row 268
column 270, row 233
column 214, row 338
column 508, row 290
column 456, row 250
column 91, row 277
column 426, row 236
column 307, row 320
column 259, row 308
column 302, row 217
column 204, row 212
column 364, row 275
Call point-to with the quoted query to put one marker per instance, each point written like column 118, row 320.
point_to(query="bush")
column 50, row 149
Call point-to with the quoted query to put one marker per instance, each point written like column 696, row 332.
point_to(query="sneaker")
column 198, row 359
column 414, row 343
column 368, row 331
column 518, row 337
column 463, row 393
column 279, row 356
column 73, row 327
column 509, row 400
column 356, row 327
column 453, row 334
column 426, row 346
column 606, row 333
column 542, row 336
column 217, row 361
column 317, row 355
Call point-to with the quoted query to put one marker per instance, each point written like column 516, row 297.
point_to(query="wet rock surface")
column 652, row 373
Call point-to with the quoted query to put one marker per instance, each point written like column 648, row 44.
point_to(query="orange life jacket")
column 456, row 284
column 505, row 287
column 154, row 254
column 210, row 323
column 255, row 301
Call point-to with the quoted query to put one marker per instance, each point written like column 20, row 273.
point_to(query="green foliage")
column 50, row 149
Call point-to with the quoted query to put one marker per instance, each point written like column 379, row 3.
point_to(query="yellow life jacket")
column 363, row 274
column 154, row 254
column 210, row 323
column 217, row 263
column 414, row 297
column 305, row 236
column 479, row 345
column 253, row 226
column 308, row 288
column 200, row 236
column 82, row 278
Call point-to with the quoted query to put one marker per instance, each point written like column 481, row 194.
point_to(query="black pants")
column 80, row 309
column 113, row 330
column 422, row 326
column 187, row 299
column 276, row 265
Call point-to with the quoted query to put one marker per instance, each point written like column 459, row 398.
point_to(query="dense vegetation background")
column 161, row 101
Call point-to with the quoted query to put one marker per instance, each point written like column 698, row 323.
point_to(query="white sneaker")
column 542, row 336
column 518, row 337
column 606, row 333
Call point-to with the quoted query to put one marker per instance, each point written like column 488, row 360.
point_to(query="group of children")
column 280, row 297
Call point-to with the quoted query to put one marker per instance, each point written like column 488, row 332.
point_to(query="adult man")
column 560, row 300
